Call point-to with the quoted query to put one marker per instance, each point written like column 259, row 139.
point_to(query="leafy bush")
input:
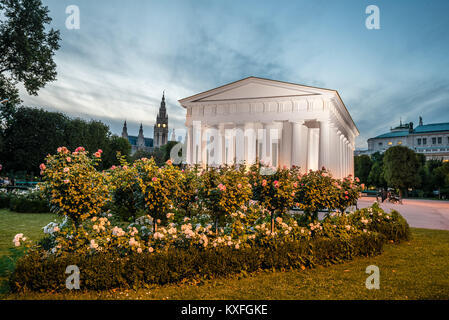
column 104, row 271
column 224, row 190
column 392, row 225
column 73, row 185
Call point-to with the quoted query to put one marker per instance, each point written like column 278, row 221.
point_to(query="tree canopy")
column 401, row 167
column 33, row 133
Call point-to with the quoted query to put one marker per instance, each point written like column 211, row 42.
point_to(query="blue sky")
column 126, row 53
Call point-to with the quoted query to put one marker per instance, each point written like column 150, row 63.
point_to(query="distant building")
column 139, row 142
column 432, row 140
column 161, row 126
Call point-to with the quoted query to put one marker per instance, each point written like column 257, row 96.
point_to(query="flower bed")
column 111, row 270
column 189, row 223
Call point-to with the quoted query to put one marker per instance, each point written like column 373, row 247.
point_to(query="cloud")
column 125, row 54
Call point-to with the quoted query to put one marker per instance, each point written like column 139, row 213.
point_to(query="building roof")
column 427, row 128
column 434, row 127
column 393, row 134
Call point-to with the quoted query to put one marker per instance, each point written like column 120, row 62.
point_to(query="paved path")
column 429, row 214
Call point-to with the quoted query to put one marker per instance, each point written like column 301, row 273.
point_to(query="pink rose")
column 154, row 179
column 42, row 167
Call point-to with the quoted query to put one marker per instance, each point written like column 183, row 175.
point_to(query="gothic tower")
column 140, row 138
column 125, row 131
column 161, row 126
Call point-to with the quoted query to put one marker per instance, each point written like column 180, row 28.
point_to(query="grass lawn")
column 30, row 224
column 413, row 270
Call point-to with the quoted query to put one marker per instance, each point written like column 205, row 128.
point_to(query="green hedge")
column 23, row 203
column 28, row 205
column 107, row 271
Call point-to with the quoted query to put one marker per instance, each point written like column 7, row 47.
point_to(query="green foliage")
column 24, row 202
column 224, row 190
column 108, row 271
column 401, row 167
column 362, row 167
column 28, row 46
column 31, row 134
column 72, row 184
column 392, row 225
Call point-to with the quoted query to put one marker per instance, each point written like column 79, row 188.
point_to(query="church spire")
column 125, row 131
column 140, row 138
column 141, row 130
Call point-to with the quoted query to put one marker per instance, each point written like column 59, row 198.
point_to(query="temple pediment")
column 255, row 88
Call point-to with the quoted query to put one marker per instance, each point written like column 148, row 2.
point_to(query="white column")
column 341, row 157
column 189, row 144
column 230, row 145
column 299, row 145
column 251, row 140
column 240, row 143
column 204, row 146
column 286, row 145
column 222, row 144
column 324, row 145
column 263, row 138
column 333, row 151
column 351, row 153
column 314, row 149
column 213, row 146
column 338, row 154
column 196, row 142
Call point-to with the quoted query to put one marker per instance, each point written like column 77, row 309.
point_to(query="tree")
column 115, row 145
column 401, row 166
column 34, row 133
column 27, row 46
column 362, row 167
column 440, row 177
column 31, row 135
column 376, row 175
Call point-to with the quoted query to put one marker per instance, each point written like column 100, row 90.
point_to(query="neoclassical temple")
column 280, row 123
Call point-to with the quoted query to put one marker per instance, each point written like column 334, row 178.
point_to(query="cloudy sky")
column 126, row 53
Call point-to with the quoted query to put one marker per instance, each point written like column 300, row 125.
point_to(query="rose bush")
column 73, row 185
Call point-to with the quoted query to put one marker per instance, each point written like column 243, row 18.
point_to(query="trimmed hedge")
column 28, row 205
column 108, row 271
column 23, row 203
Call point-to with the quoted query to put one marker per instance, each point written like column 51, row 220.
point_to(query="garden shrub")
column 74, row 186
column 392, row 225
column 24, row 201
column 24, row 205
column 103, row 271
column 4, row 200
